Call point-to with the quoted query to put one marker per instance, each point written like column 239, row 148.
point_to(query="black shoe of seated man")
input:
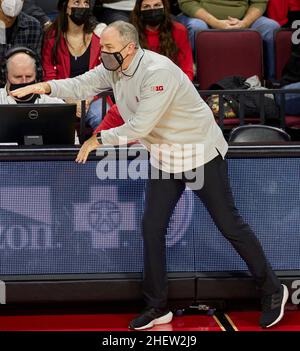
column 151, row 317
column 273, row 307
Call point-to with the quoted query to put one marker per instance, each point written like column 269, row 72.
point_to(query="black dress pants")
column 162, row 196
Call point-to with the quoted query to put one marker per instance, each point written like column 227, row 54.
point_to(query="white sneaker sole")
column 284, row 300
column 167, row 318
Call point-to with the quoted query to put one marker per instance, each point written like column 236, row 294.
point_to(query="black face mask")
column 79, row 15
column 28, row 99
column 153, row 17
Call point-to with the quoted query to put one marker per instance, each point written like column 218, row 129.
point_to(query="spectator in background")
column 17, row 29
column 233, row 14
column 72, row 47
column 108, row 11
column 291, row 80
column 157, row 32
column 21, row 70
column 284, row 11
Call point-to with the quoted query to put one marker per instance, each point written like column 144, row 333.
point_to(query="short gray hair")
column 127, row 31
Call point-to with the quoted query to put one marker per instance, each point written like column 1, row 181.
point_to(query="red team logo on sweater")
column 158, row 88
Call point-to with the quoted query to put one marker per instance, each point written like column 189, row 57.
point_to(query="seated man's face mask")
column 112, row 61
column 28, row 99
column 12, row 8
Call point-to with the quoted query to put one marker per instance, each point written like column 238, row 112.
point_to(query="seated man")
column 21, row 70
column 17, row 29
column 231, row 14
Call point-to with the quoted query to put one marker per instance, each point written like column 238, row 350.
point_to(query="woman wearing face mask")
column 159, row 33
column 72, row 47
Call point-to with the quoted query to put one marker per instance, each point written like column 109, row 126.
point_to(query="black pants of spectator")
column 108, row 16
column 162, row 196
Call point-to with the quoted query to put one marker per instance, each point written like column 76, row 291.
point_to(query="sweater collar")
column 134, row 65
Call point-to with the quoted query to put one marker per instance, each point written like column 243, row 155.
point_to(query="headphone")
column 22, row 49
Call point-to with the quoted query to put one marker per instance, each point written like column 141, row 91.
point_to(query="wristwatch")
column 99, row 138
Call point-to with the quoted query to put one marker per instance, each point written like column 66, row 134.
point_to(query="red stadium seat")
column 292, row 122
column 222, row 53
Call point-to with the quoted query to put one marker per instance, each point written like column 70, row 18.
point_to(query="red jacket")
column 185, row 55
column 278, row 9
column 63, row 67
column 113, row 118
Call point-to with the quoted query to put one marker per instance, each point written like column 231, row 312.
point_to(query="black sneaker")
column 150, row 318
column 273, row 307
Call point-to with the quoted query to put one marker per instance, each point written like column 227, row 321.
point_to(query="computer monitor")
column 37, row 124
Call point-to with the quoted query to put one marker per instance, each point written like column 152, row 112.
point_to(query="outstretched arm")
column 82, row 87
column 38, row 88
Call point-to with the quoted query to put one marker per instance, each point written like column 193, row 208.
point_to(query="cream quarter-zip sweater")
column 159, row 105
